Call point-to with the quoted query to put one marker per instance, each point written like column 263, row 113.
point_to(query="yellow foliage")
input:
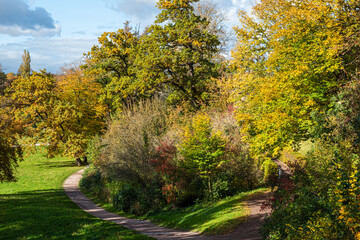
column 168, row 4
column 285, row 63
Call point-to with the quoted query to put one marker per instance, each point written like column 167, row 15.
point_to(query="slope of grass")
column 36, row 207
column 215, row 218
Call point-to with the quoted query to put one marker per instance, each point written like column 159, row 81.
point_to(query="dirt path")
column 245, row 231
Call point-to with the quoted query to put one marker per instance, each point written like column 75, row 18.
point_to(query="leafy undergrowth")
column 215, row 218
column 36, row 207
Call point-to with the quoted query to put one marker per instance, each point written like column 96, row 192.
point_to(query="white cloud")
column 37, row 31
column 231, row 8
column 45, row 53
column 143, row 11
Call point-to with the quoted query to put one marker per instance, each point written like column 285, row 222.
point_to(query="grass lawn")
column 36, row 207
column 211, row 219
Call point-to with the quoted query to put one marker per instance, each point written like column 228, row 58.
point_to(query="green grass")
column 211, row 219
column 36, row 207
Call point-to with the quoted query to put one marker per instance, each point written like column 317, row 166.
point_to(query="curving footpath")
column 245, row 231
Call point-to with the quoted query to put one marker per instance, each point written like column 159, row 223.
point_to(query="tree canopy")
column 112, row 64
column 10, row 152
column 172, row 58
column 64, row 113
column 287, row 65
column 177, row 52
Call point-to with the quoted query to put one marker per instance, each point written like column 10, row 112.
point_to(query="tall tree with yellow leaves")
column 63, row 113
column 288, row 66
column 111, row 63
column 10, row 153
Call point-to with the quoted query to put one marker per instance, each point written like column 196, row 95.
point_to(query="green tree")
column 176, row 53
column 25, row 69
column 112, row 64
column 173, row 58
column 202, row 149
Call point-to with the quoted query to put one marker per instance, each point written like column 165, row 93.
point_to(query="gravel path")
column 245, row 231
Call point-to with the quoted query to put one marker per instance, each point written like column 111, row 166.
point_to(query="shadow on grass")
column 57, row 164
column 51, row 215
column 200, row 216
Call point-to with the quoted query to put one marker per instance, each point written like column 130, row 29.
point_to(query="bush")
column 185, row 164
column 270, row 172
column 125, row 198
column 221, row 189
column 202, row 149
column 130, row 141
column 91, row 181
column 321, row 200
column 240, row 169
column 146, row 165
column 93, row 149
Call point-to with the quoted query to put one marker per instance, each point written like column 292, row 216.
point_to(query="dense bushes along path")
column 246, row 231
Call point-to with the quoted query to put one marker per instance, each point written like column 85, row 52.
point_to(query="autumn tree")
column 79, row 111
column 25, row 69
column 176, row 53
column 62, row 113
column 112, row 64
column 9, row 155
column 287, row 68
column 10, row 152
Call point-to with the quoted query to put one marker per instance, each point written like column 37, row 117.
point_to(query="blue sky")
column 58, row 32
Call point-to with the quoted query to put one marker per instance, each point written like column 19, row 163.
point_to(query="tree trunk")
column 79, row 162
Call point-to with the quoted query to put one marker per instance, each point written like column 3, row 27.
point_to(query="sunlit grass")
column 212, row 218
column 36, row 207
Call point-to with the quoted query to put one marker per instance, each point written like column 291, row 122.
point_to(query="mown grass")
column 36, row 207
column 214, row 218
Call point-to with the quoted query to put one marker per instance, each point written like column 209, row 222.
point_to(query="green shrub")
column 271, row 172
column 221, row 189
column 202, row 149
column 91, row 181
column 125, row 198
column 193, row 189
column 138, row 201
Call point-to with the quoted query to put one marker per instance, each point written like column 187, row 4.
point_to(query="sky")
column 59, row 32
